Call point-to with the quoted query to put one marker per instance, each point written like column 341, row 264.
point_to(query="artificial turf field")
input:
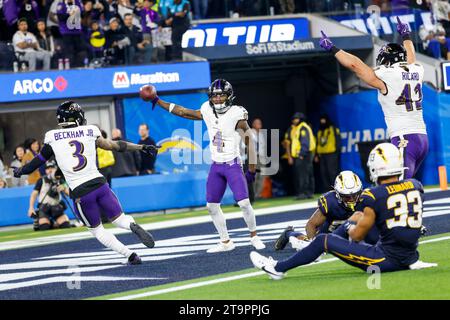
column 37, row 265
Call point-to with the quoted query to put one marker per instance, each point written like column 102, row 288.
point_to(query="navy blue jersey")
column 398, row 209
column 333, row 210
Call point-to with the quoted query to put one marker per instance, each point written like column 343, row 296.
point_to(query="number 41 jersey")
column 402, row 104
column 76, row 153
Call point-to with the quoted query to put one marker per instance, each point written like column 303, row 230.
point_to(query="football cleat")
column 146, row 237
column 134, row 259
column 257, row 243
column 421, row 265
column 266, row 264
column 222, row 247
column 298, row 244
column 283, row 239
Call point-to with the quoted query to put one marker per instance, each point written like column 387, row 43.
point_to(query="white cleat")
column 222, row 247
column 298, row 244
column 257, row 243
column 266, row 264
column 421, row 265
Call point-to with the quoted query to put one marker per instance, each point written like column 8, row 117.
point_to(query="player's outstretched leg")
column 219, row 221
column 110, row 241
column 250, row 220
column 128, row 223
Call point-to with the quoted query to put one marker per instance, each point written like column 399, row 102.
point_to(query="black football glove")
column 17, row 172
column 150, row 149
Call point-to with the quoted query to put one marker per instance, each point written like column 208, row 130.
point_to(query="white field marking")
column 48, row 240
column 231, row 278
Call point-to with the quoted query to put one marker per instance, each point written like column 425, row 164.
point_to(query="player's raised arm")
column 123, row 146
column 405, row 33
column 148, row 93
column 353, row 63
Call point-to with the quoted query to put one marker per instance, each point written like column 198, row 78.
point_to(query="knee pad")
column 44, row 226
column 65, row 225
column 245, row 204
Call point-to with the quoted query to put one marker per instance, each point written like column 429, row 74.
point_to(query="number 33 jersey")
column 223, row 137
column 76, row 153
column 402, row 104
column 398, row 208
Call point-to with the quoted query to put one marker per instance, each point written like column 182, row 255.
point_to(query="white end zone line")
column 47, row 240
column 232, row 278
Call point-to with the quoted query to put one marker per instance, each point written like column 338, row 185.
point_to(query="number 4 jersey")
column 223, row 137
column 75, row 152
column 402, row 104
column 398, row 211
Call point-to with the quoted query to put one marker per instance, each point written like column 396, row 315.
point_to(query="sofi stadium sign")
column 16, row 87
column 246, row 32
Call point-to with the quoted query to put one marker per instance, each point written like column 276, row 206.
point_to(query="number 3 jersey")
column 223, row 137
column 402, row 104
column 398, row 211
column 75, row 152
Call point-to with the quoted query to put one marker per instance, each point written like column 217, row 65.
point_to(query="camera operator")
column 51, row 208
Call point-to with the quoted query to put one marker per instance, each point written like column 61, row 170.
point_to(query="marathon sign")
column 77, row 83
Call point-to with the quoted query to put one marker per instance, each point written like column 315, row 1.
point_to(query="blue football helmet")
column 220, row 87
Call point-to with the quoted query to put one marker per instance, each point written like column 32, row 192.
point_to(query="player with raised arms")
column 398, row 78
column 394, row 206
column 227, row 124
column 74, row 147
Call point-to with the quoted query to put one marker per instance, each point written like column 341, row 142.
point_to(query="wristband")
column 334, row 49
column 171, row 106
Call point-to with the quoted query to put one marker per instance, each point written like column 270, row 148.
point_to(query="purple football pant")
column 89, row 207
column 222, row 173
column 414, row 152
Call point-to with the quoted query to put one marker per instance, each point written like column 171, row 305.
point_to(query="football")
column 147, row 92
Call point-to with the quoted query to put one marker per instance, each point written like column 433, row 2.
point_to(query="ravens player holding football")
column 227, row 125
column 334, row 209
column 398, row 78
column 74, row 147
column 394, row 206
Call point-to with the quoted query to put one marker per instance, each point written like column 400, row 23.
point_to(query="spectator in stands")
column 27, row 47
column 287, row 6
column 441, row 13
column 260, row 139
column 147, row 160
column 434, row 41
column 47, row 191
column 300, row 146
column 91, row 12
column 116, row 41
column 45, row 38
column 149, row 19
column 180, row 22
column 106, row 160
column 96, row 39
column 126, row 163
column 165, row 23
column 124, row 7
column 3, row 184
column 111, row 9
column 29, row 10
column 69, row 19
column 137, row 43
column 201, row 9
column 32, row 147
column 52, row 19
column 19, row 152
column 328, row 151
column 2, row 168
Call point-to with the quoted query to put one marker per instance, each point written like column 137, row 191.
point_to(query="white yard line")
column 230, row 278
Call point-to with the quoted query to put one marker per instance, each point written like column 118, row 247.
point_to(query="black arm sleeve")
column 45, row 154
column 38, row 185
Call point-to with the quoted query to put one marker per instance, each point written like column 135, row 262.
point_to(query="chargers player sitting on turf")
column 398, row 78
column 74, row 147
column 334, row 208
column 227, row 124
column 394, row 206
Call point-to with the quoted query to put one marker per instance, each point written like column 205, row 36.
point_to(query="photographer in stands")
column 48, row 191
